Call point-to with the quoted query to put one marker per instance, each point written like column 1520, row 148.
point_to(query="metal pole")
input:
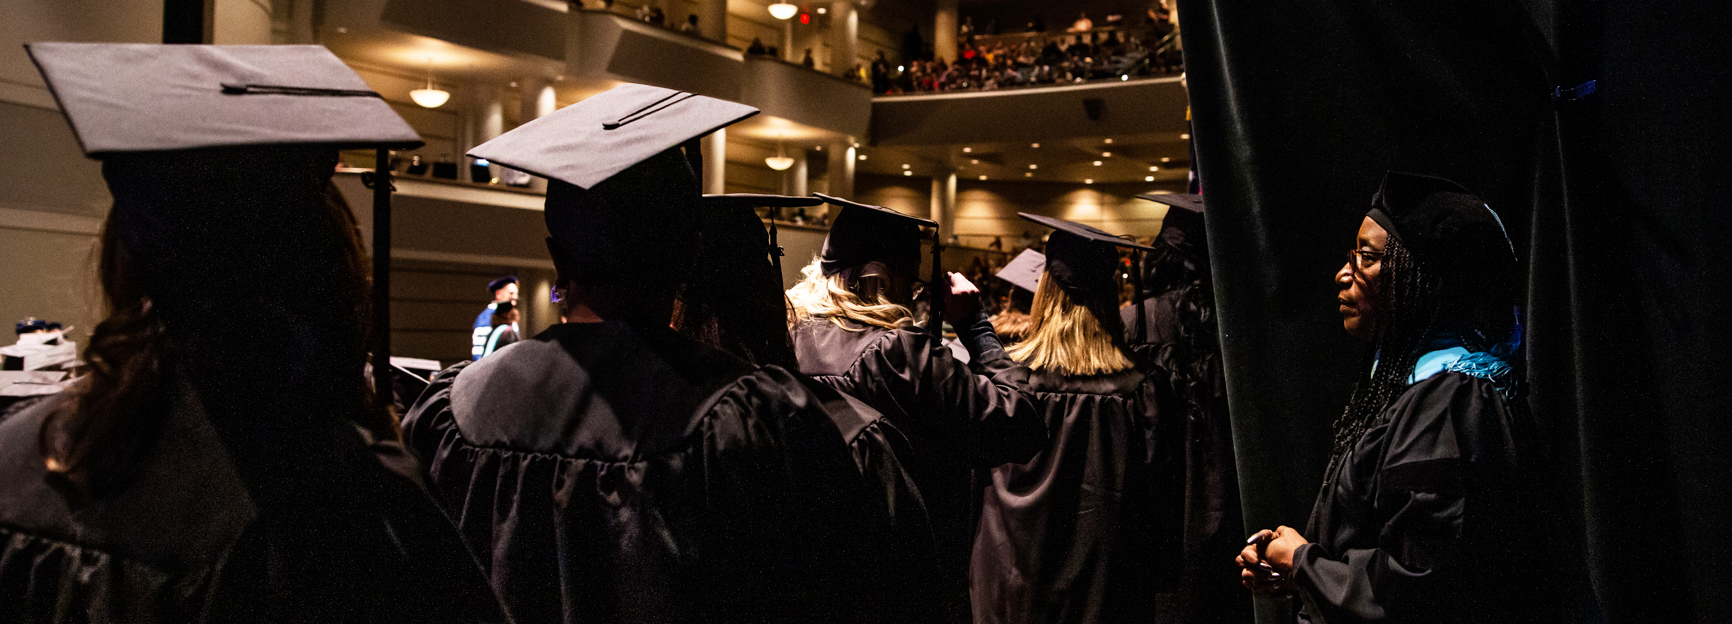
column 940, row 287
column 185, row 21
column 382, row 275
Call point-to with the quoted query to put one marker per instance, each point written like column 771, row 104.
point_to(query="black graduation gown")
column 1199, row 472
column 1076, row 535
column 611, row 474
column 185, row 540
column 1431, row 516
column 957, row 416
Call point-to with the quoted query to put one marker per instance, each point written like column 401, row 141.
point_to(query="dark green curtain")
column 1615, row 199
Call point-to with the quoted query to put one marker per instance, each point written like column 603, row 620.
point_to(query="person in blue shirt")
column 504, row 290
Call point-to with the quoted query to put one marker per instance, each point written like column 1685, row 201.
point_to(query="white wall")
column 52, row 199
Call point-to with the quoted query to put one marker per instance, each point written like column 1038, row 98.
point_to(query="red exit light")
column 805, row 18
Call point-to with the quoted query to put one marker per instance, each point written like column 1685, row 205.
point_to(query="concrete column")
column 292, row 22
column 538, row 101
column 944, row 26
column 715, row 148
column 841, row 176
column 844, row 36
column 788, row 41
column 713, row 20
column 241, row 22
column 944, row 201
column 486, row 121
column 798, row 176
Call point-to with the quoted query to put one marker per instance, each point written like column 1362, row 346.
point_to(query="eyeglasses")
column 1363, row 259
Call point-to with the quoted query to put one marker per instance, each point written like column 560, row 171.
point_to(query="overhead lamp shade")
column 779, row 163
column 783, row 10
column 430, row 98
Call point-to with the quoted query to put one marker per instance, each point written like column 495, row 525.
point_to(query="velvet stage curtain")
column 1617, row 203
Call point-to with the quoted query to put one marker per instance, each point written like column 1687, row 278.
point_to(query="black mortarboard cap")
column 591, row 141
column 617, row 174
column 127, row 97
column 1182, row 229
column 1083, row 261
column 864, row 233
column 497, row 284
column 1449, row 230
column 1024, row 270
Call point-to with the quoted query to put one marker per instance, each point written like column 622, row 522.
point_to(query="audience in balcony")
column 986, row 63
column 807, row 62
column 691, row 25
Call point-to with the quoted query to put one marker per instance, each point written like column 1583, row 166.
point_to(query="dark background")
column 1617, row 204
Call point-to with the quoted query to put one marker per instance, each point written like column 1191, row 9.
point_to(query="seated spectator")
column 807, row 62
column 691, row 25
column 757, row 47
column 1083, row 23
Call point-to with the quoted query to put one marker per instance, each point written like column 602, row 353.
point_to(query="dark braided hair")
column 1420, row 306
column 1407, row 294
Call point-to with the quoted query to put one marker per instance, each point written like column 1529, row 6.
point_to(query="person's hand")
column 1257, row 572
column 962, row 301
column 1281, row 546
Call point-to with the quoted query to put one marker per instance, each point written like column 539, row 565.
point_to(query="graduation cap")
column 1448, row 229
column 865, row 233
column 502, row 282
column 1182, row 228
column 1024, row 270
column 158, row 115
column 753, row 201
column 130, row 97
column 592, row 141
column 1083, row 261
column 617, row 174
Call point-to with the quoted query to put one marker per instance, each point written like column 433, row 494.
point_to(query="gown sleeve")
column 978, row 410
column 1448, row 439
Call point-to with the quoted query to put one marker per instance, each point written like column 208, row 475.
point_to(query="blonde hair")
column 1066, row 337
column 818, row 295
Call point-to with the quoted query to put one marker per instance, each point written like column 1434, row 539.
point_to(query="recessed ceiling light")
column 1034, row 166
column 1165, row 159
column 514, row 84
column 1148, row 178
column 342, row 31
column 1124, row 77
column 1154, row 168
column 983, row 177
column 862, row 157
column 560, row 78
column 909, row 173
column 822, row 10
column 1034, row 145
column 974, row 161
column 967, row 150
column 907, row 166
column 1184, row 137
column 819, row 148
column 1088, row 181
column 1106, row 154
column 1097, row 163
column 1109, row 141
column 1028, row 174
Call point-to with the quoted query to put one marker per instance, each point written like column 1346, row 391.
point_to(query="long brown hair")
column 237, row 271
column 1066, row 337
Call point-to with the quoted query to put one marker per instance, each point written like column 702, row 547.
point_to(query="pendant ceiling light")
column 430, row 97
column 783, row 10
column 781, row 161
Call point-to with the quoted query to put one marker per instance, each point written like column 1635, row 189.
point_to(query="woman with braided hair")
column 1430, row 507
